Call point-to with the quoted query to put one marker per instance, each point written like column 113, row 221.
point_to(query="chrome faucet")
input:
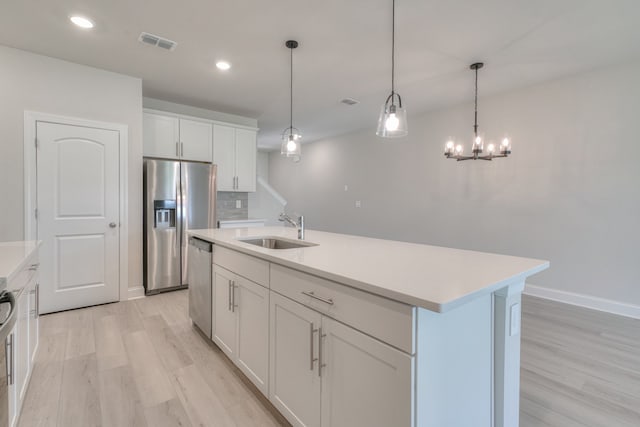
column 299, row 225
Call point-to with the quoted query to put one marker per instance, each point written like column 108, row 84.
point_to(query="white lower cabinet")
column 294, row 379
column 21, row 346
column 364, row 381
column 324, row 373
column 240, row 325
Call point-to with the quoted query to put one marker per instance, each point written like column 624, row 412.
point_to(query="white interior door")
column 78, row 215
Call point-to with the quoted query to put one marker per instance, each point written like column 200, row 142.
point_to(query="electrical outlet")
column 358, row 204
column 238, row 204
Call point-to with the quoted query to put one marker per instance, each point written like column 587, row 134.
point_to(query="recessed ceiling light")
column 81, row 21
column 223, row 65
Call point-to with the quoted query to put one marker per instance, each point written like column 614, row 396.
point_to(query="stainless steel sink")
column 277, row 243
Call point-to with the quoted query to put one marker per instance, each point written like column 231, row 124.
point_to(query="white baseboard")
column 595, row 303
column 136, row 292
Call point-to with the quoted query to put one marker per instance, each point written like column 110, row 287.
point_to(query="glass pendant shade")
column 291, row 146
column 392, row 122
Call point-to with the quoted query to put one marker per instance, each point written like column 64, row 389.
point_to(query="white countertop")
column 432, row 277
column 13, row 256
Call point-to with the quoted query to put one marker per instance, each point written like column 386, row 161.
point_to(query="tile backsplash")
column 226, row 205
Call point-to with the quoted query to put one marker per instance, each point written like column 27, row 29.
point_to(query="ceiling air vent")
column 350, row 101
column 158, row 41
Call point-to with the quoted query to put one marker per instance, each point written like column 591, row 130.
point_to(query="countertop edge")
column 375, row 290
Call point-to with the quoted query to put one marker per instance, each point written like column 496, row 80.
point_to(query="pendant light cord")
column 475, row 124
column 393, row 49
column 291, row 93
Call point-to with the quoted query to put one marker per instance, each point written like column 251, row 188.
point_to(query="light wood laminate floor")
column 141, row 363
column 137, row 363
column 579, row 367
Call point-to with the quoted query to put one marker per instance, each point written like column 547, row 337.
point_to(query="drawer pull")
column 314, row 296
column 34, row 267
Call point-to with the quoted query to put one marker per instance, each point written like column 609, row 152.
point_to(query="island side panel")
column 507, row 320
column 454, row 362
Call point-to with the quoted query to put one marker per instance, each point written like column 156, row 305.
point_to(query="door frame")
column 31, row 119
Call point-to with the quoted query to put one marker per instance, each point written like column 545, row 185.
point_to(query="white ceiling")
column 344, row 50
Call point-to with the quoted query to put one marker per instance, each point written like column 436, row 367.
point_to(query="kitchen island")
column 360, row 331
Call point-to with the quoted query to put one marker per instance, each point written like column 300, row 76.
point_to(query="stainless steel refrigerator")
column 178, row 196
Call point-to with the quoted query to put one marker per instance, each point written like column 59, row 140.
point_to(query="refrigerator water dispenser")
column 164, row 214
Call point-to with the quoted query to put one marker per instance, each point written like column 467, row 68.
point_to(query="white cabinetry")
column 161, row 135
column 294, row 380
column 364, row 381
column 240, row 324
column 234, row 151
column 172, row 137
column 324, row 373
column 22, row 343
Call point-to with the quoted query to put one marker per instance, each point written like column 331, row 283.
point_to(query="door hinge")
column 36, row 143
column 36, row 213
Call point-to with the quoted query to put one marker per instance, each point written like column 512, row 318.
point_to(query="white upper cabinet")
column 234, row 151
column 245, row 160
column 161, row 135
column 224, row 141
column 195, row 140
column 171, row 137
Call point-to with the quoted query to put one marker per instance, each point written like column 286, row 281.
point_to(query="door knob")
column 112, row 224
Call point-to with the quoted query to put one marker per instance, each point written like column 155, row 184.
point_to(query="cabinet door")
column 364, row 382
column 224, row 317
column 253, row 331
column 294, row 383
column 224, row 156
column 34, row 296
column 196, row 140
column 23, row 359
column 160, row 136
column 245, row 160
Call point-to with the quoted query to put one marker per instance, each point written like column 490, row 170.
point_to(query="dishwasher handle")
column 200, row 244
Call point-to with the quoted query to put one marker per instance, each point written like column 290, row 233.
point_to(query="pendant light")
column 453, row 151
column 291, row 136
column 392, row 122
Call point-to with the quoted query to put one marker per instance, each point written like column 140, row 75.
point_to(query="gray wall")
column 43, row 84
column 570, row 193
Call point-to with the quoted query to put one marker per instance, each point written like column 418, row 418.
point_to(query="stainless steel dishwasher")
column 199, row 275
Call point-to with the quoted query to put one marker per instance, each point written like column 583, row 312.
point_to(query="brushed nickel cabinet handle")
column 312, row 331
column 316, row 297
column 233, row 296
column 321, row 364
column 177, row 150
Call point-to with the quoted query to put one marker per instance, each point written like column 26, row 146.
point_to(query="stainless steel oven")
column 7, row 369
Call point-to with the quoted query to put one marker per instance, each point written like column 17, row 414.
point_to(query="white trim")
column 198, row 119
column 31, row 118
column 136, row 293
column 587, row 301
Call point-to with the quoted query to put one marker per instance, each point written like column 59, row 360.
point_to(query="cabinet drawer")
column 24, row 275
column 252, row 268
column 384, row 319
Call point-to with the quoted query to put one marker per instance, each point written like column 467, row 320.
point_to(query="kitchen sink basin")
column 277, row 243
